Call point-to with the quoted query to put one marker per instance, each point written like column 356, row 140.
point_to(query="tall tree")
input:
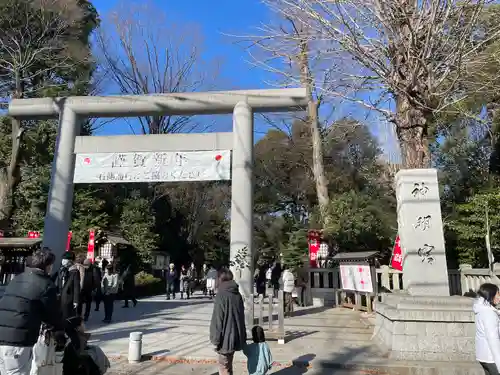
column 288, row 55
column 406, row 57
column 285, row 191
column 137, row 221
column 44, row 50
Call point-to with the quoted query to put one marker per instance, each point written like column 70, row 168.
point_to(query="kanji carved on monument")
column 420, row 190
column 425, row 252
column 423, row 222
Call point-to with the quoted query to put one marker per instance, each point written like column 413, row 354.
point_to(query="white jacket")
column 288, row 281
column 211, row 279
column 487, row 332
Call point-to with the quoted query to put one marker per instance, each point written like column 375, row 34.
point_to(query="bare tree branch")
column 144, row 52
column 413, row 54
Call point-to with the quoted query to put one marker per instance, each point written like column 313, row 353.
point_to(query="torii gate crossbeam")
column 71, row 111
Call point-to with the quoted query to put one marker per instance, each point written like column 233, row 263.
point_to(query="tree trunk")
column 411, row 128
column 318, row 165
column 307, row 81
column 10, row 175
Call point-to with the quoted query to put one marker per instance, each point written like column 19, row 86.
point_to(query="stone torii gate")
column 71, row 111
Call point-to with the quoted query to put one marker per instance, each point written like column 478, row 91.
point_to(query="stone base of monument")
column 422, row 328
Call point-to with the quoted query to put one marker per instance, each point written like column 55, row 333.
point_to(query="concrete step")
column 364, row 337
column 381, row 366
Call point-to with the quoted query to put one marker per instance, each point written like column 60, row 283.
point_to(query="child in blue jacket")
column 259, row 355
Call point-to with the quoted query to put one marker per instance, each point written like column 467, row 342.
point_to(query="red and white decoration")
column 33, row 234
column 91, row 246
column 397, row 255
column 68, row 243
column 36, row 234
column 314, row 242
column 153, row 166
column 356, row 277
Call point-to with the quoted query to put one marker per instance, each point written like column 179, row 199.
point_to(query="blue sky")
column 216, row 20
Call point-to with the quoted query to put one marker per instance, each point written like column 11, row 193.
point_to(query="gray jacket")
column 227, row 328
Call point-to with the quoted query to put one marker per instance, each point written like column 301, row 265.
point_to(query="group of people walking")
column 80, row 282
column 276, row 277
column 187, row 279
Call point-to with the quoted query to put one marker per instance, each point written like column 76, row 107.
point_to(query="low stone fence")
column 324, row 281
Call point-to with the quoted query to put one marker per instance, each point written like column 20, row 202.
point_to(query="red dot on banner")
column 218, row 157
column 86, row 161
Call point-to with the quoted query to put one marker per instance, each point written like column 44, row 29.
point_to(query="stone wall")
column 413, row 328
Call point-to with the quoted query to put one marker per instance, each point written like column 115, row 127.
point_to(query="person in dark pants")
column 275, row 278
column 97, row 294
column 88, row 289
column 109, row 287
column 260, row 281
column 128, row 278
column 80, row 259
column 170, row 280
column 184, row 282
column 29, row 300
column 227, row 327
column 68, row 286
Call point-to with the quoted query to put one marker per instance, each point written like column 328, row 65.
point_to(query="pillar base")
column 415, row 328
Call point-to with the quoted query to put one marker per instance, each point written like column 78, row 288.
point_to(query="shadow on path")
column 115, row 334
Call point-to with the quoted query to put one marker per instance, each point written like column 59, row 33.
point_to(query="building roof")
column 362, row 255
column 19, row 242
column 117, row 240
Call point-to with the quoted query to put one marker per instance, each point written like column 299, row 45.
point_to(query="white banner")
column 153, row 167
column 356, row 278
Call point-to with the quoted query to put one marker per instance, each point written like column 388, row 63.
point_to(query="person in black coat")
column 89, row 287
column 227, row 328
column 275, row 277
column 97, row 274
column 29, row 300
column 260, row 281
column 68, row 286
column 128, row 278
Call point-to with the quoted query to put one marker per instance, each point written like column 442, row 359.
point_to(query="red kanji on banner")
column 397, row 255
column 91, row 246
column 33, row 234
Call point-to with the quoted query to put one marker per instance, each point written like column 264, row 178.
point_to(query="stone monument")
column 421, row 233
column 424, row 323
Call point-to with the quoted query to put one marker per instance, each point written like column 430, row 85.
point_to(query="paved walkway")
column 181, row 329
column 330, row 341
